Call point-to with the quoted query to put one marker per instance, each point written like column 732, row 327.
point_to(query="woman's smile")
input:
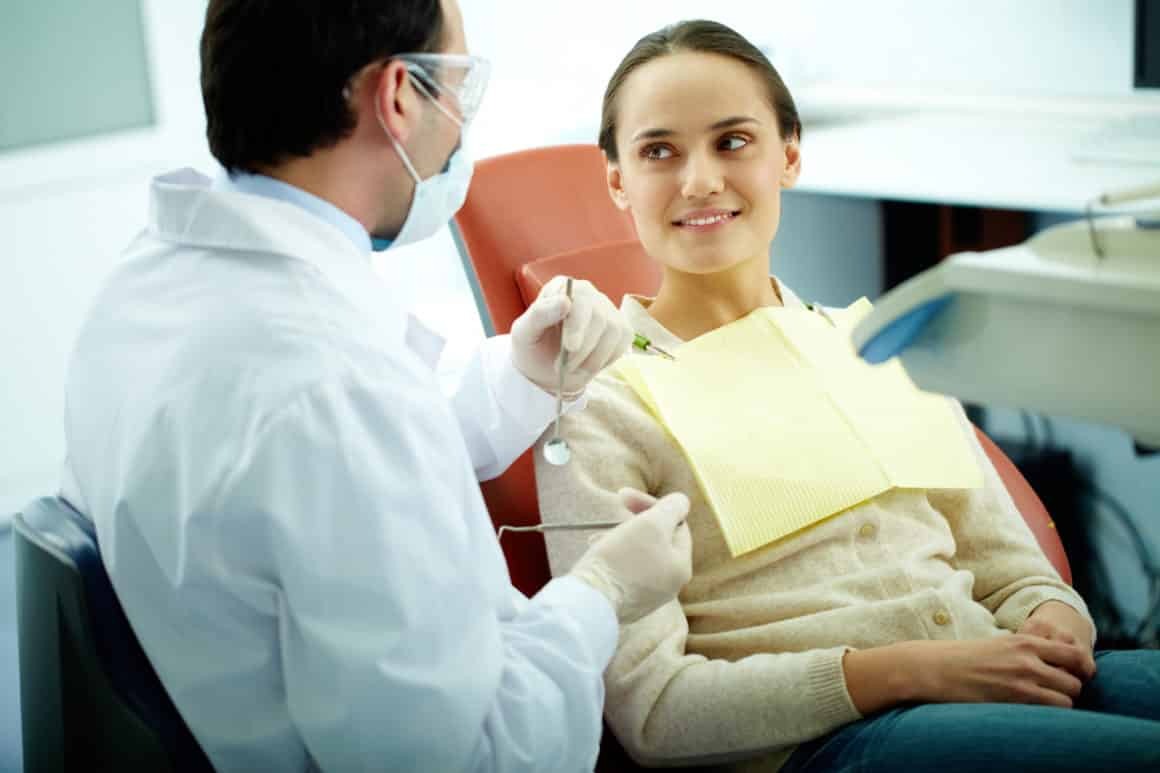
column 706, row 220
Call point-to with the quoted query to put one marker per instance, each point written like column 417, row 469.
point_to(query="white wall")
column 66, row 211
column 552, row 58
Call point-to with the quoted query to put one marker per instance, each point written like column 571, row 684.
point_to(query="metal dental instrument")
column 556, row 450
column 821, row 310
column 648, row 347
column 542, row 527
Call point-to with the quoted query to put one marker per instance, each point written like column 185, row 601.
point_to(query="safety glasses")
column 461, row 76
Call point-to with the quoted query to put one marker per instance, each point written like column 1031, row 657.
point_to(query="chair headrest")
column 53, row 525
column 616, row 268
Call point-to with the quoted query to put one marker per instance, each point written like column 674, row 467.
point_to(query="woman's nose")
column 703, row 177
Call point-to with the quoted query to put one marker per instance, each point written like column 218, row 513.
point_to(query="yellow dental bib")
column 784, row 425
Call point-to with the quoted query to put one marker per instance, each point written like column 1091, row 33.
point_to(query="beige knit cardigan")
column 748, row 662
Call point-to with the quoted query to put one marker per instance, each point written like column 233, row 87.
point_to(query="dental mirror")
column 556, row 450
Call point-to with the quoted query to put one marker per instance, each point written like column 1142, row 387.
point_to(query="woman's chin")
column 703, row 265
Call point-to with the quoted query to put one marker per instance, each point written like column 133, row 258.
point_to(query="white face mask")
column 437, row 198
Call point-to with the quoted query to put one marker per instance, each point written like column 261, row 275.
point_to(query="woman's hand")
column 1016, row 668
column 1012, row 668
column 1056, row 621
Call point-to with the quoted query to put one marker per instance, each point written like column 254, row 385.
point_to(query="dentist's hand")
column 645, row 561
column 594, row 334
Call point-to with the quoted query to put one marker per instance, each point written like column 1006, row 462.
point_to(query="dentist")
column 284, row 489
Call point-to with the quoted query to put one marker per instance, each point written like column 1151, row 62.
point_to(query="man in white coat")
column 284, row 490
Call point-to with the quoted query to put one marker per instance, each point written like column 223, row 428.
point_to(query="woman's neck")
column 690, row 305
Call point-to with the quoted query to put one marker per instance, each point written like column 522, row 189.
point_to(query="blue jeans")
column 1115, row 726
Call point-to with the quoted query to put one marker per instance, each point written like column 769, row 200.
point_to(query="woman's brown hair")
column 702, row 36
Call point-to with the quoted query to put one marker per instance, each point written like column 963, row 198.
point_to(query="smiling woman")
column 873, row 628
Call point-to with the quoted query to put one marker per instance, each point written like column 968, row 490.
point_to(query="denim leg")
column 1127, row 682
column 990, row 737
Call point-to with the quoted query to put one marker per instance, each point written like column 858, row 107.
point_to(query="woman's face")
column 701, row 162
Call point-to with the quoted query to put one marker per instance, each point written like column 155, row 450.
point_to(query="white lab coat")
column 288, row 507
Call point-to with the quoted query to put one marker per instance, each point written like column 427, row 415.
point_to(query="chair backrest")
column 539, row 213
column 90, row 698
column 521, row 208
column 1030, row 506
column 530, row 205
column 617, row 268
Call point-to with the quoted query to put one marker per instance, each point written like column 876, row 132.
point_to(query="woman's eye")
column 657, row 152
column 733, row 142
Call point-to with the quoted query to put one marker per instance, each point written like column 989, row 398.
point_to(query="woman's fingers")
column 1069, row 656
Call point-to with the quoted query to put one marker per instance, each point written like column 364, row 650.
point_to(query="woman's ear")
column 395, row 100
column 793, row 162
column 615, row 184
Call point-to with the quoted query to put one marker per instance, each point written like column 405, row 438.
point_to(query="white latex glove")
column 594, row 334
column 645, row 561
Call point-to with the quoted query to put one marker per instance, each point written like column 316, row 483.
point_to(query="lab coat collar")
column 635, row 310
column 186, row 209
column 273, row 188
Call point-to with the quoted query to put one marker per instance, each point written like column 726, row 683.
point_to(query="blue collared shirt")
column 263, row 185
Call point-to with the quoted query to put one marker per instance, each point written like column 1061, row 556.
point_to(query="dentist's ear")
column 615, row 184
column 793, row 162
column 395, row 102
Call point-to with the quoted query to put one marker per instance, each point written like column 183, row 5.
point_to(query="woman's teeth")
column 708, row 220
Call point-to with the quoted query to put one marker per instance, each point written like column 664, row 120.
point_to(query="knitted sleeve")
column 993, row 542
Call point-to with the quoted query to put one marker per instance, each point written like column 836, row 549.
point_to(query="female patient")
column 920, row 630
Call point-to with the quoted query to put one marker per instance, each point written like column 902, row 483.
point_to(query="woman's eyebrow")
column 652, row 134
column 724, row 123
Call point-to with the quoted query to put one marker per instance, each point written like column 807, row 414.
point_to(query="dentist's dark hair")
column 701, row 36
column 273, row 71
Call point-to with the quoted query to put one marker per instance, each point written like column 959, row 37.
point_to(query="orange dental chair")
column 536, row 214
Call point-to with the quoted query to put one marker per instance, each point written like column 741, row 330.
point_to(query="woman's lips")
column 706, row 220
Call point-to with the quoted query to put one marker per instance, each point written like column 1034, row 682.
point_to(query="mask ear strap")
column 398, row 148
column 431, row 97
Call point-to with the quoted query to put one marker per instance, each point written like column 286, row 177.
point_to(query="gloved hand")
column 645, row 561
column 594, row 334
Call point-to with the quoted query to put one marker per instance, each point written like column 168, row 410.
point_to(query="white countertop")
column 1005, row 152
